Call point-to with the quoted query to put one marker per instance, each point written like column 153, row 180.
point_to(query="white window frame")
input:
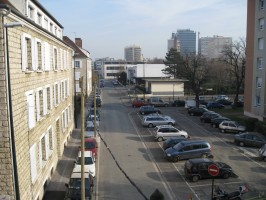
column 46, row 55
column 24, row 56
column 261, row 23
column 39, row 66
column 260, row 43
column 61, row 60
column 56, row 96
column 55, row 58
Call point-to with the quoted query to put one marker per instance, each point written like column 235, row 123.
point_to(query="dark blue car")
column 214, row 105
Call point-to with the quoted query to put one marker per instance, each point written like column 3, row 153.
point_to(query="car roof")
column 199, row 160
column 86, row 154
column 78, row 174
column 253, row 133
column 165, row 126
column 193, row 141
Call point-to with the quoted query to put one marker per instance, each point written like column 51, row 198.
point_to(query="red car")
column 91, row 145
column 138, row 103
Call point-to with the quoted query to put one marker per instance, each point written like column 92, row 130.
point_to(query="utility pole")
column 95, row 106
column 82, row 139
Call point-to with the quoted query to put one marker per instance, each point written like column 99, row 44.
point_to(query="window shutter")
column 23, row 53
column 38, row 117
column 59, row 92
column 33, row 54
column 55, row 85
column 40, row 154
column 47, row 56
column 31, row 111
column 61, row 59
column 51, row 97
column 47, row 146
column 45, row 101
column 33, row 164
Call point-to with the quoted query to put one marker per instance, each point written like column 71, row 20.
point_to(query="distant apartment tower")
column 212, row 47
column 187, row 39
column 255, row 60
column 133, row 53
column 173, row 43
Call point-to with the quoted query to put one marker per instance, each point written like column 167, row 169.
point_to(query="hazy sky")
column 107, row 26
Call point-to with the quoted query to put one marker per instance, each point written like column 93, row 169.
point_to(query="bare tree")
column 193, row 68
column 235, row 57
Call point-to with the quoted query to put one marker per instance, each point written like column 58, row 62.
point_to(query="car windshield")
column 90, row 145
column 87, row 161
column 178, row 146
column 90, row 128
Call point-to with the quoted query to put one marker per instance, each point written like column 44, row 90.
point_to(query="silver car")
column 152, row 121
column 231, row 126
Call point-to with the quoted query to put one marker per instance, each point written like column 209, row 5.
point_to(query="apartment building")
column 255, row 96
column 187, row 41
column 82, row 66
column 36, row 101
column 212, row 47
column 133, row 53
column 173, row 43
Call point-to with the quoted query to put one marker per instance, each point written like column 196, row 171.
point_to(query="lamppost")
column 144, row 77
column 10, row 110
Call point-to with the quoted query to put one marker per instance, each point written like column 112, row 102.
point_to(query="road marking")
column 205, row 185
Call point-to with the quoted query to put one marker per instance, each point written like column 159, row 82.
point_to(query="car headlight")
column 169, row 155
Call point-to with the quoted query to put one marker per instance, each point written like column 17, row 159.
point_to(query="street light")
column 10, row 110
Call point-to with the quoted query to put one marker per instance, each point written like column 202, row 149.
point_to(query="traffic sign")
column 213, row 170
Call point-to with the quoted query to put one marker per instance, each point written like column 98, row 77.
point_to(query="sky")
column 106, row 27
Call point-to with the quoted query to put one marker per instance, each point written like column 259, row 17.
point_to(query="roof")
column 80, row 52
column 168, row 80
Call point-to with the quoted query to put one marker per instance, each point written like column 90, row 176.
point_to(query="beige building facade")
column 36, row 101
column 255, row 95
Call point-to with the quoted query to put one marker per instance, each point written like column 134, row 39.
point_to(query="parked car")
column 89, row 131
column 152, row 121
column 197, row 111
column 262, row 152
column 73, row 187
column 203, row 102
column 231, row 126
column 222, row 96
column 197, row 168
column 172, row 141
column 191, row 103
column 157, row 101
column 211, row 105
column 225, row 102
column 144, row 110
column 216, row 121
column 165, row 131
column 98, row 103
column 91, row 113
column 187, row 150
column 89, row 163
column 251, row 139
column 138, row 103
column 91, row 145
column 179, row 103
column 208, row 116
column 90, row 121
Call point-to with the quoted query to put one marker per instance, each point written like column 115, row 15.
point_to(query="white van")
column 190, row 104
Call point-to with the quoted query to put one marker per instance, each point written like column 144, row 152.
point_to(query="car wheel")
column 175, row 159
column 195, row 178
column 165, row 105
column 226, row 175
column 150, row 125
column 241, row 144
column 170, row 123
column 142, row 113
column 223, row 130
column 159, row 139
column 264, row 159
column 214, row 126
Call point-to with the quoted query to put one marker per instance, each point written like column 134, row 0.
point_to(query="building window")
column 45, row 25
column 31, row 12
column 56, row 94
column 258, row 82
column 49, row 98
column 39, row 18
column 39, row 55
column 55, row 59
column 258, row 101
column 77, row 64
column 46, row 56
column 27, row 57
column 51, row 139
column 43, row 149
column 261, row 43
column 261, row 24
column 261, row 5
column 39, row 105
column 259, row 62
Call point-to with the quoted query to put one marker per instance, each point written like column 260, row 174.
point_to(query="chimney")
column 78, row 42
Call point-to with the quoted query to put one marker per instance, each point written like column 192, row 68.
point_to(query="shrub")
column 260, row 127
